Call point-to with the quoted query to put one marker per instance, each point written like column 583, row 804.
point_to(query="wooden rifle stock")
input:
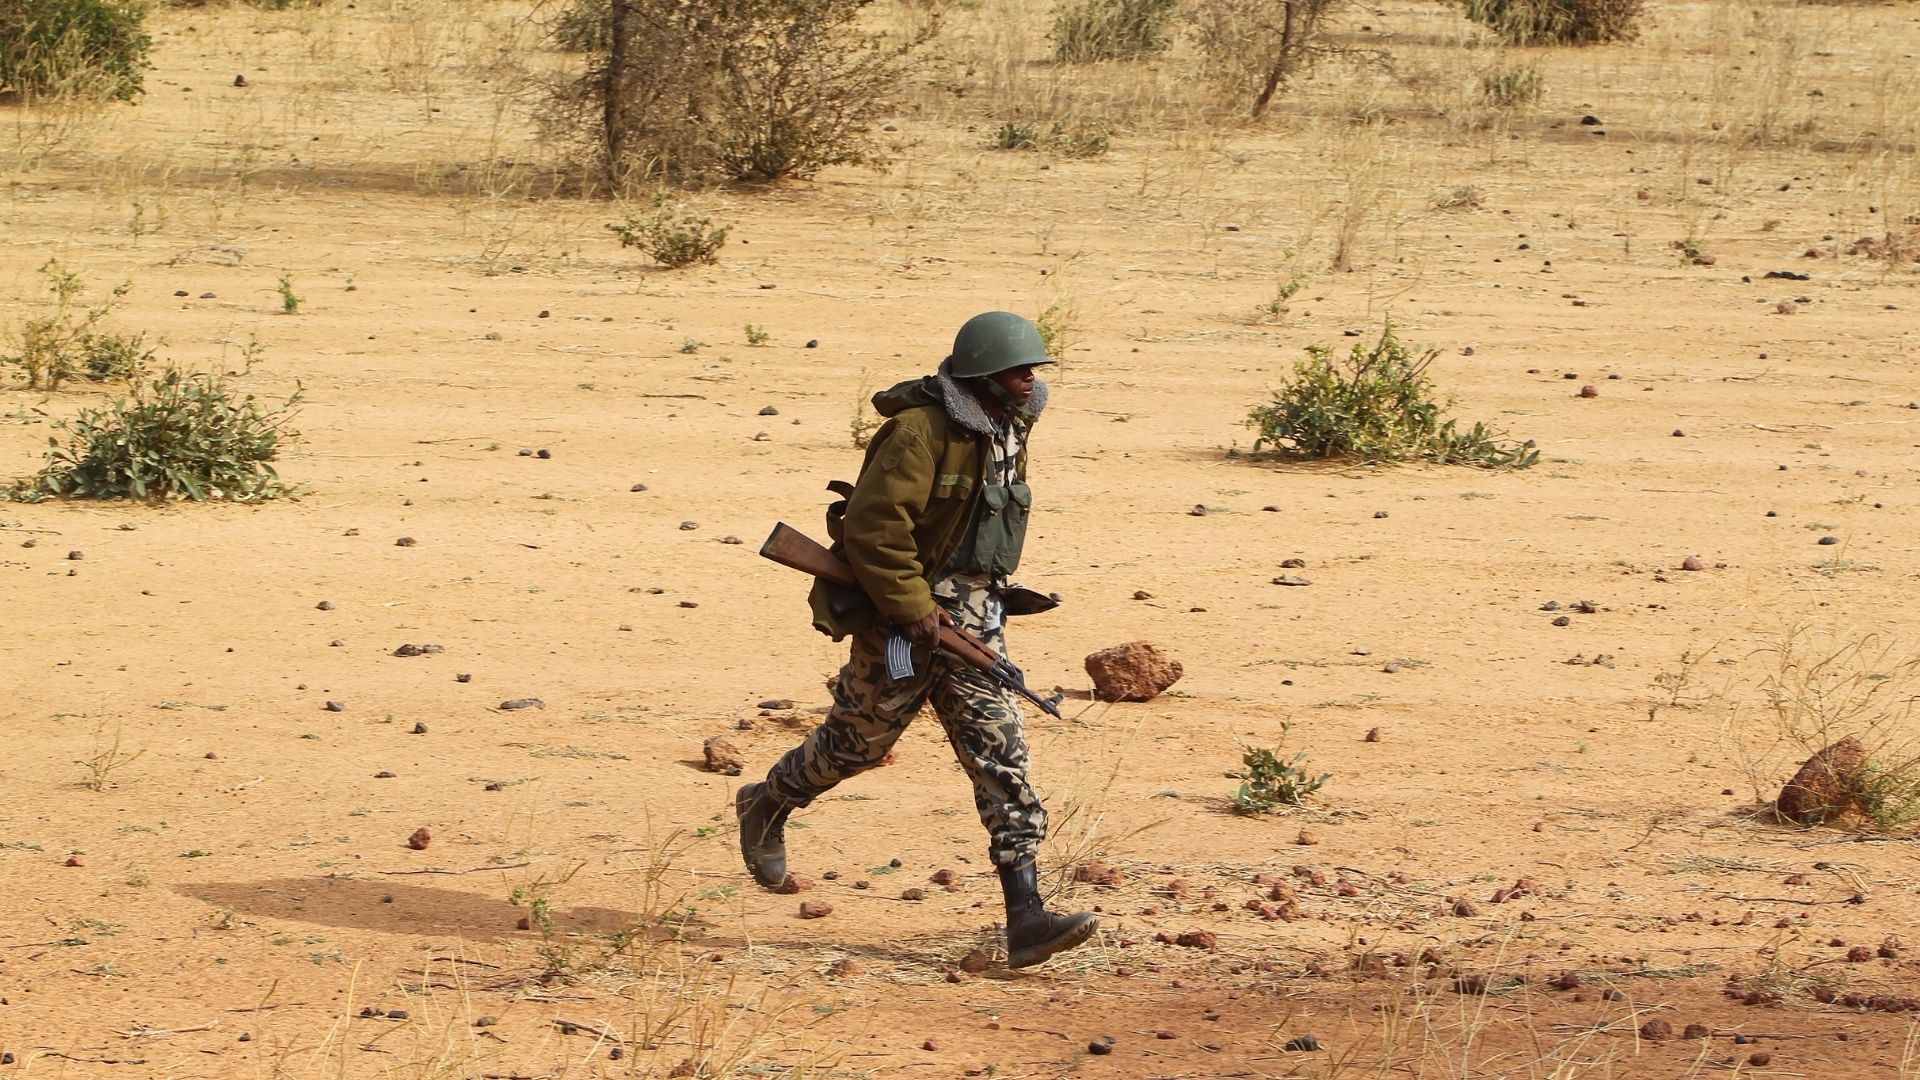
column 796, row 550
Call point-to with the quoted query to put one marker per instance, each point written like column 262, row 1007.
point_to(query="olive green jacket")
column 909, row 511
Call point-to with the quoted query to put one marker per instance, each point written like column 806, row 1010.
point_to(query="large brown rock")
column 1135, row 671
column 723, row 757
column 1826, row 786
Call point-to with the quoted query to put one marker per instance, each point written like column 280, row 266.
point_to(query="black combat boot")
column 763, row 839
column 1033, row 932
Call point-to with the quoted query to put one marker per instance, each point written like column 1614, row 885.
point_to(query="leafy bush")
column 84, row 48
column 1509, row 88
column 696, row 90
column 1375, row 403
column 177, row 435
column 673, row 239
column 67, row 342
column 1092, row 30
column 1557, row 22
column 1268, row 782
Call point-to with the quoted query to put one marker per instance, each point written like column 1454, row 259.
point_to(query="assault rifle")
column 791, row 548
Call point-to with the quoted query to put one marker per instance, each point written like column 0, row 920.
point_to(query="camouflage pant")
column 982, row 722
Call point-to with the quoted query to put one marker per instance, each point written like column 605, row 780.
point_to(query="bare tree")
column 1256, row 46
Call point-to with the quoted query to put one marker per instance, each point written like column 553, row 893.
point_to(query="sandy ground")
column 241, row 891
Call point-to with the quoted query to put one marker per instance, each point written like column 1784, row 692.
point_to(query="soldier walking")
column 932, row 530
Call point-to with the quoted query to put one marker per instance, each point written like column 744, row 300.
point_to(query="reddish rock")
column 1098, row 873
column 1589, row 391
column 1826, row 786
column 420, row 839
column 1306, row 839
column 1465, row 909
column 1692, row 562
column 1859, row 954
column 1136, row 671
column 1196, row 939
column 815, row 909
column 74, row 860
column 974, row 962
column 913, row 894
column 944, row 877
column 723, row 757
column 1656, row 1031
column 846, row 968
column 794, row 883
column 1760, row 1059
column 1696, row 1031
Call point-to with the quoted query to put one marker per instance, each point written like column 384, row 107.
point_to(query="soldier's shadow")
column 389, row 906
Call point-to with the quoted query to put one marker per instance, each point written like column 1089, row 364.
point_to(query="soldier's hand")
column 926, row 632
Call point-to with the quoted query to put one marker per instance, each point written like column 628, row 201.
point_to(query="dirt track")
column 249, row 869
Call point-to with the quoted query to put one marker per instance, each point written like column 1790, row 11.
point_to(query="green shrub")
column 1091, row 30
column 673, row 239
column 1375, row 403
column 1069, row 138
column 67, row 342
column 1269, row 783
column 177, row 435
column 1509, row 88
column 83, row 48
column 1557, row 22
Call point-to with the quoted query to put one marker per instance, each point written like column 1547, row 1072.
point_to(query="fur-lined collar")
column 965, row 409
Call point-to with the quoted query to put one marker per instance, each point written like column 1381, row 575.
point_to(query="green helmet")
column 994, row 342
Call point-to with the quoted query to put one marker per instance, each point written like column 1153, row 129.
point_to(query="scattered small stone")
column 1378, row 514
column 76, row 556
column 1464, row 908
column 1692, row 562
column 943, row 877
column 616, row 1053
column 335, row 706
column 1306, row 839
column 245, row 1036
column 769, row 411
column 1199, row 510
column 181, row 292
column 915, row 893
column 638, row 487
column 1196, row 939
column 463, row 677
column 543, row 453
column 419, row 727
column 974, row 962
column 1859, row 954
column 1302, row 1044
column 845, row 968
column 420, row 839
column 1760, row 1059
column 383, row 774
column 1656, row 1030
column 1829, row 541
column 812, row 343
column 1826, row 784
column 1589, row 391
column 1101, row 1045
column 405, row 541
column 409, row 650
column 1391, row 667
column 74, row 860
column 324, row 605
column 515, row 704
column 486, row 1021
column 793, row 885
column 335, row 643
column 1269, row 509
column 689, row 526
column 396, row 1014
column 1696, row 1031
column 815, row 909
column 930, row 1045
column 1372, row 735
column 1563, row 621
column 1142, row 594
column 1291, row 579
column 689, row 603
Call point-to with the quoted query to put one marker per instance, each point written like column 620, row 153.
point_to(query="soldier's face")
column 1017, row 382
